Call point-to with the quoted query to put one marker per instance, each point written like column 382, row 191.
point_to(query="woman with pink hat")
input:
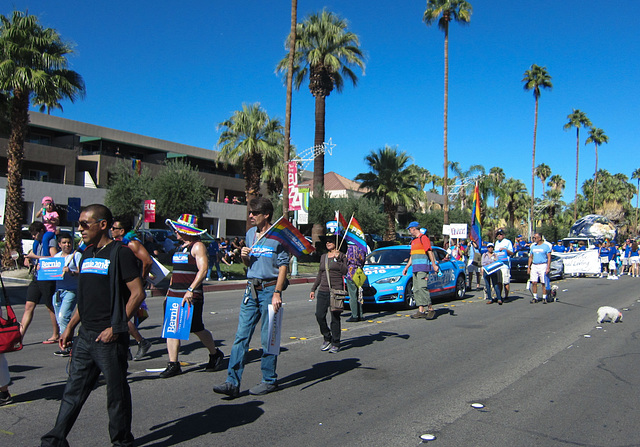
column 50, row 219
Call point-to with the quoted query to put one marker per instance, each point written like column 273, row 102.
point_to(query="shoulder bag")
column 10, row 336
column 336, row 295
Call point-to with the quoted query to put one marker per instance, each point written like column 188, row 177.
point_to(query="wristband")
column 190, row 289
column 278, row 291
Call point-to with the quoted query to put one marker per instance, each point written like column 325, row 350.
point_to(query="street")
column 540, row 379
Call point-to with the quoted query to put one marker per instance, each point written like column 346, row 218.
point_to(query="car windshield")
column 388, row 257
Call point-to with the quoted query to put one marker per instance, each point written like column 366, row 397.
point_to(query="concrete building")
column 66, row 158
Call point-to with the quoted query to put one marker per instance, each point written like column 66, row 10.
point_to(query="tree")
column 179, row 189
column 249, row 138
column 326, row 52
column 496, row 174
column 543, row 172
column 535, row 78
column 513, row 200
column 392, row 181
column 445, row 11
column 462, row 175
column 597, row 137
column 127, row 190
column 556, row 183
column 287, row 114
column 33, row 69
column 636, row 176
column 577, row 119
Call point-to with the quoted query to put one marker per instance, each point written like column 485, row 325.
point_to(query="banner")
column 50, row 269
column 458, row 231
column 587, row 261
column 295, row 198
column 275, row 328
column 150, row 210
column 177, row 319
column 157, row 273
column 303, row 214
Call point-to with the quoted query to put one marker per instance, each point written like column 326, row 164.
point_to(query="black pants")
column 323, row 305
column 89, row 358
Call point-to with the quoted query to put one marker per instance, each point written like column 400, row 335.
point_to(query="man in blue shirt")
column 559, row 247
column 539, row 266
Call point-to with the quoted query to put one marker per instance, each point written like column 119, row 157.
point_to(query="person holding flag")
column 267, row 261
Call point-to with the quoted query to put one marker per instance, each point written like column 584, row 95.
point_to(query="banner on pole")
column 295, row 198
column 150, row 210
column 458, row 231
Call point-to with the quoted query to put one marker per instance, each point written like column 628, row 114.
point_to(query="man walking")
column 504, row 250
column 109, row 292
column 423, row 262
column 267, row 265
column 539, row 266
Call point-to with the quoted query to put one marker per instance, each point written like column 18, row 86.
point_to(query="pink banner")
column 149, row 210
column 295, row 204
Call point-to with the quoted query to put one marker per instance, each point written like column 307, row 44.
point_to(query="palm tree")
column 496, row 174
column 597, row 137
column 543, row 172
column 556, row 183
column 513, row 200
column 249, row 138
column 287, row 113
column 325, row 53
column 33, row 69
column 461, row 175
column 445, row 11
column 535, row 78
column 636, row 176
column 577, row 119
column 391, row 181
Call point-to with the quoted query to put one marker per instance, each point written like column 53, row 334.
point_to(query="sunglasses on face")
column 87, row 224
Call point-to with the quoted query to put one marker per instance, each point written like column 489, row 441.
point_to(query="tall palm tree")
column 445, row 11
column 392, row 181
column 249, row 138
column 577, row 119
column 534, row 79
column 636, row 176
column 497, row 176
column 513, row 200
column 597, row 137
column 33, row 69
column 326, row 52
column 287, row 113
column 543, row 172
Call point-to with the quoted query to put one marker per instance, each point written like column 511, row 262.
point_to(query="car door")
column 445, row 283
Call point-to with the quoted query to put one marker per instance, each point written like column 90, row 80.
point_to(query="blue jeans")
column 89, row 359
column 250, row 313
column 495, row 281
column 64, row 303
column 214, row 262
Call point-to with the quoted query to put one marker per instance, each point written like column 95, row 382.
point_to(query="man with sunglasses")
column 109, row 292
column 539, row 266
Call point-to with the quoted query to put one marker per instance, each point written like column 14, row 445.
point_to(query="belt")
column 260, row 284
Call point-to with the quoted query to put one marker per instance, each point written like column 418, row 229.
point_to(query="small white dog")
column 609, row 313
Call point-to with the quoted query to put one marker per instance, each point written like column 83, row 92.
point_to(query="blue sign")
column 177, row 319
column 50, row 269
column 73, row 209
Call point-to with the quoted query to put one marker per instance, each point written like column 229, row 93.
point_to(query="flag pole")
column 346, row 230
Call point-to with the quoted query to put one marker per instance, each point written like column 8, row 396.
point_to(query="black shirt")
column 94, row 290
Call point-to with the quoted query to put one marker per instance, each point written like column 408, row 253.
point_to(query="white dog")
column 609, row 313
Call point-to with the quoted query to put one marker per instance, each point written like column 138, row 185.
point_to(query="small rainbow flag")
column 342, row 223
column 289, row 236
column 476, row 227
column 356, row 235
column 136, row 165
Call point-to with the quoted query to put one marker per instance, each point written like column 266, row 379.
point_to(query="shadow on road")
column 216, row 419
column 320, row 372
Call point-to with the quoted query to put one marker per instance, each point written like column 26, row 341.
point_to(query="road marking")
column 7, row 432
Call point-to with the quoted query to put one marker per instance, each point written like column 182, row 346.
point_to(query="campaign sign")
column 98, row 266
column 177, row 319
column 492, row 268
column 50, row 269
column 180, row 258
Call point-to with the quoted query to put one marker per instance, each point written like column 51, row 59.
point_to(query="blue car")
column 386, row 284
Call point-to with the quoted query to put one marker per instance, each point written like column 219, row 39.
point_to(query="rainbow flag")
column 342, row 223
column 289, row 236
column 356, row 235
column 136, row 165
column 476, row 227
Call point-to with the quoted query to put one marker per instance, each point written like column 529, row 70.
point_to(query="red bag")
column 10, row 336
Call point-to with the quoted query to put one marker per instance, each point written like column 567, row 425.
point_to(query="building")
column 65, row 158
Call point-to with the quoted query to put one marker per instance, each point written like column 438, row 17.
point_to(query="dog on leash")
column 608, row 313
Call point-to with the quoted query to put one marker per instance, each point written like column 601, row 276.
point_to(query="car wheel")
column 409, row 300
column 461, row 287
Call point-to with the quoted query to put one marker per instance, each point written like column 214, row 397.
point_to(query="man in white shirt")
column 504, row 249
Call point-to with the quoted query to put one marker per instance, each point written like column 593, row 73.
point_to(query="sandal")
column 50, row 341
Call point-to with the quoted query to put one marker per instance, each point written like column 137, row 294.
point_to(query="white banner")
column 446, row 230
column 275, row 327
column 3, row 197
column 458, row 231
column 586, row 261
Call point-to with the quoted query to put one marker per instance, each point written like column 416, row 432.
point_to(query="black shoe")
column 143, row 348
column 63, row 353
column 173, row 369
column 353, row 319
column 5, row 398
column 264, row 388
column 228, row 389
column 215, row 361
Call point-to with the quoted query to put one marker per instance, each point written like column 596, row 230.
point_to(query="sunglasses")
column 87, row 224
column 117, row 228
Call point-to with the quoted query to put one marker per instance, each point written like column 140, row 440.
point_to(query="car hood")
column 376, row 272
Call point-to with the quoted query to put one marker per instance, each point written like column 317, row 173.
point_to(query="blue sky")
column 174, row 70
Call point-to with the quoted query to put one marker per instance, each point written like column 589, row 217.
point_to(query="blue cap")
column 423, row 230
column 414, row 224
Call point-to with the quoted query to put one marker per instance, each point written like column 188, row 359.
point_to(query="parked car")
column 520, row 260
column 387, row 285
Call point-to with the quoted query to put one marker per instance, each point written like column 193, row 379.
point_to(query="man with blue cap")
column 423, row 262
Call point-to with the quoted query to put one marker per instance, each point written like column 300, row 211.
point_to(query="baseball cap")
column 500, row 231
column 414, row 224
column 490, row 244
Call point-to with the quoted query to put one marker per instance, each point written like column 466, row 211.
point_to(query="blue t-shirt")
column 539, row 253
column 266, row 257
column 604, row 252
column 559, row 248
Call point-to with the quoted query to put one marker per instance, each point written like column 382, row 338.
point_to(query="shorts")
column 38, row 289
column 197, row 324
column 604, row 259
column 506, row 274
column 625, row 261
column 634, row 260
column 538, row 273
column 612, row 265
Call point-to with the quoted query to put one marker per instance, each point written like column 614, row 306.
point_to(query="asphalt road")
column 541, row 381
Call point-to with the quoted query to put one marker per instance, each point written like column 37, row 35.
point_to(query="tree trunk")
column 287, row 115
column 390, row 210
column 446, row 115
column 595, row 180
column 318, row 162
column 533, row 164
column 253, row 165
column 575, row 203
column 13, row 218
